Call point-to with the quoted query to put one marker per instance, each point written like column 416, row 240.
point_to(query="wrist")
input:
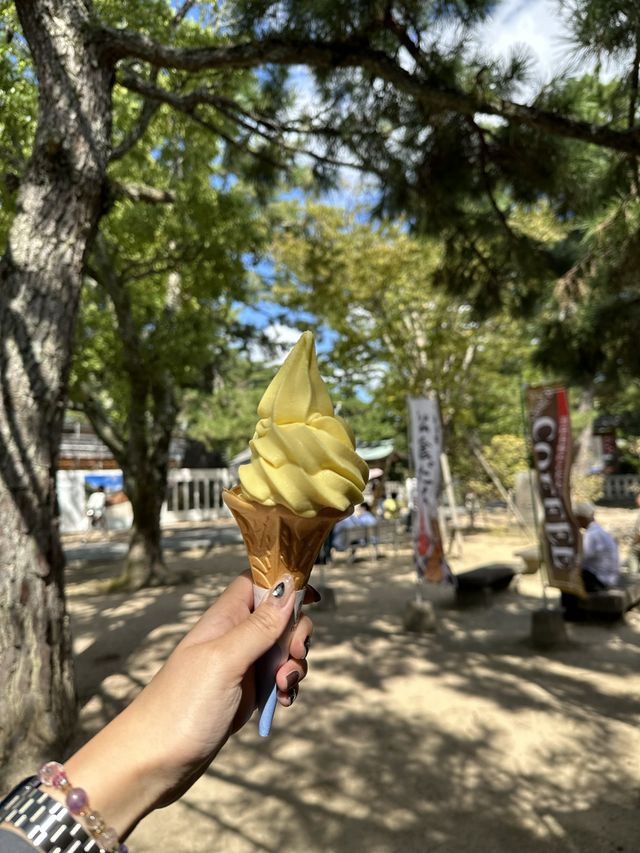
column 34, row 809
column 113, row 769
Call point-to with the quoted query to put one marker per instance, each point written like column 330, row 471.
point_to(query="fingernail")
column 307, row 645
column 292, row 679
column 316, row 595
column 282, row 590
column 292, row 695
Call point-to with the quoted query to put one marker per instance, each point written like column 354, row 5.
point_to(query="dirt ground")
column 466, row 740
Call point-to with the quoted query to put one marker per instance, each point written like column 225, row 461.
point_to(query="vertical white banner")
column 426, row 446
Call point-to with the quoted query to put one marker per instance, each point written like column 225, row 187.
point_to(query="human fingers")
column 250, row 639
column 289, row 676
column 301, row 638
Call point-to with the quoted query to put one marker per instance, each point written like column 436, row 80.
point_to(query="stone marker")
column 548, row 628
column 420, row 618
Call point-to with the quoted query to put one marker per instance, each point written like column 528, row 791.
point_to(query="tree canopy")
column 394, row 333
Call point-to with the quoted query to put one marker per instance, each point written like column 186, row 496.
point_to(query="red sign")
column 550, row 428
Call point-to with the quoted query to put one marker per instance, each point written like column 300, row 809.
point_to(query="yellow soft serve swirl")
column 302, row 455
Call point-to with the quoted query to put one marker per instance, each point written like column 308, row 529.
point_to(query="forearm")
column 117, row 769
column 152, row 752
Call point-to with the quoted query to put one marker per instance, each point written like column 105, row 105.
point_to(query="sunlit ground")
column 461, row 741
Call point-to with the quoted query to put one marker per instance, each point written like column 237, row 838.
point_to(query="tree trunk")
column 59, row 204
column 145, row 565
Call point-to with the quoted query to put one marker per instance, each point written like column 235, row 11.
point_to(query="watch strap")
column 47, row 823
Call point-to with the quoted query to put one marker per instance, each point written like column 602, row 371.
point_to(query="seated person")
column 364, row 516
column 600, row 560
column 361, row 518
column 339, row 532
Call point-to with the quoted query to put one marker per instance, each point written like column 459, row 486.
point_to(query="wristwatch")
column 47, row 823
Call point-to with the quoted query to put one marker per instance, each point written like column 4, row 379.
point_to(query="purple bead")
column 77, row 800
column 123, row 848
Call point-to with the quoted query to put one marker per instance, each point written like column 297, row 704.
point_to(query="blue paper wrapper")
column 267, row 666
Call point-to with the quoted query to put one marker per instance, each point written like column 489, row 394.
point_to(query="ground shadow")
column 461, row 741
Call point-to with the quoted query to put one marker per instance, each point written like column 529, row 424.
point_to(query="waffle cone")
column 277, row 540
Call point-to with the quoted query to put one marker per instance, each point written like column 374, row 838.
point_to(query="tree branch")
column 149, row 109
column 189, row 102
column 147, row 112
column 403, row 37
column 141, row 192
column 484, row 160
column 122, row 44
column 85, row 400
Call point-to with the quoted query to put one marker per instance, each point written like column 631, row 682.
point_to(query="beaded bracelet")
column 53, row 775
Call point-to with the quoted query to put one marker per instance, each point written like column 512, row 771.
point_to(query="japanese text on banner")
column 426, row 445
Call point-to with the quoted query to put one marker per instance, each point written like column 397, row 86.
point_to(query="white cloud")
column 284, row 337
column 538, row 26
column 534, row 24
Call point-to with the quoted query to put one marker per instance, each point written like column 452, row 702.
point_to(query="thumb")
column 249, row 640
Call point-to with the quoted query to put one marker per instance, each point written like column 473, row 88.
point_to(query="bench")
column 385, row 532
column 614, row 602
column 475, row 586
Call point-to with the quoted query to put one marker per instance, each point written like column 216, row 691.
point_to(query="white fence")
column 193, row 494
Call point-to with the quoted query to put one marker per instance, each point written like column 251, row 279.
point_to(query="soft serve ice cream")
column 302, row 455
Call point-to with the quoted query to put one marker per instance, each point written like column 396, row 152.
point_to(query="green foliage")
column 506, row 207
column 225, row 419
column 159, row 311
column 18, row 109
column 604, row 28
column 507, row 455
column 395, row 333
column 585, row 487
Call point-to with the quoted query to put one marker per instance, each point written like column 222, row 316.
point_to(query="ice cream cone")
column 277, row 540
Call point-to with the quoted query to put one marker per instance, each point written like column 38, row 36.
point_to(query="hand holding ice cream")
column 304, row 475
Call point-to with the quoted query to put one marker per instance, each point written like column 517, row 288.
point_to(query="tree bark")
column 145, row 565
column 59, row 204
column 145, row 466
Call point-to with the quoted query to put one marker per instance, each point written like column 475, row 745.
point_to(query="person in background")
column 96, row 508
column 154, row 751
column 471, row 507
column 377, row 495
column 600, row 559
column 339, row 540
column 364, row 516
column 390, row 506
